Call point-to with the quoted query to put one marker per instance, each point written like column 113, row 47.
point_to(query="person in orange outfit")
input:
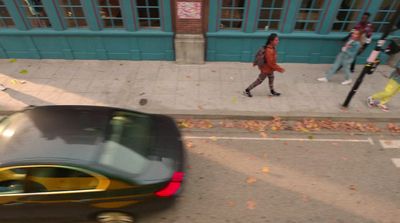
column 268, row 68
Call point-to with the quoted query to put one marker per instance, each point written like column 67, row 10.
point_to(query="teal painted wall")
column 102, row 46
column 93, row 42
column 319, row 46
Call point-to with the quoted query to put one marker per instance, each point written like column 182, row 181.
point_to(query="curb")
column 214, row 115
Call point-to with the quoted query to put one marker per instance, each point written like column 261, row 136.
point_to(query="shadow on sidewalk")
column 25, row 98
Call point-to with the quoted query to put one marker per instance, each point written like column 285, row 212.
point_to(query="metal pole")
column 372, row 61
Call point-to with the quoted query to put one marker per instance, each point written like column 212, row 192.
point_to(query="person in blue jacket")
column 345, row 58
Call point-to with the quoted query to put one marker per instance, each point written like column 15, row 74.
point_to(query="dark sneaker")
column 274, row 93
column 247, row 93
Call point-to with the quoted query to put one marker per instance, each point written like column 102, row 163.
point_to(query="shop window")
column 385, row 14
column 308, row 15
column 270, row 14
column 348, row 15
column 5, row 18
column 148, row 13
column 110, row 12
column 232, row 14
column 35, row 13
column 73, row 13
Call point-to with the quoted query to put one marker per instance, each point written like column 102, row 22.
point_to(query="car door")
column 12, row 192
column 62, row 191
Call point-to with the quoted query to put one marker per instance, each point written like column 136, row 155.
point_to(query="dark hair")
column 271, row 38
column 367, row 14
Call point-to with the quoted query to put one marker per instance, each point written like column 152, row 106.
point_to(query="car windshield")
column 127, row 142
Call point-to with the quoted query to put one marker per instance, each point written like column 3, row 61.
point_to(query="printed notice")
column 189, row 10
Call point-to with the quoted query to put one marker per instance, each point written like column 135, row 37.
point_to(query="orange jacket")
column 270, row 66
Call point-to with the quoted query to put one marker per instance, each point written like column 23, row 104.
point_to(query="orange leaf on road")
column 251, row 180
column 251, row 204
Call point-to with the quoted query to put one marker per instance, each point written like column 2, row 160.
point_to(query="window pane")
column 149, row 13
column 110, row 12
column 73, row 13
column 348, row 15
column 232, row 14
column 35, row 13
column 385, row 14
column 270, row 14
column 142, row 13
column 155, row 23
column 127, row 145
column 5, row 18
column 141, row 2
column 308, row 15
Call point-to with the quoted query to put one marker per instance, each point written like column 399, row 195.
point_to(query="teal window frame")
column 387, row 15
column 346, row 25
column 308, row 20
column 73, row 18
column 6, row 16
column 109, row 7
column 231, row 20
column 271, row 10
column 148, row 19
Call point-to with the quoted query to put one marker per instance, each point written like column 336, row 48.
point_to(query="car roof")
column 55, row 133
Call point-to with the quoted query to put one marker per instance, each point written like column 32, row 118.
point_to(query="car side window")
column 12, row 180
column 52, row 179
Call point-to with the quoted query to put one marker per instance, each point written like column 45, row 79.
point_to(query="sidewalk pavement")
column 210, row 90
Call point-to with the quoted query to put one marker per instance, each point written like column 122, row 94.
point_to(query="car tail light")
column 173, row 186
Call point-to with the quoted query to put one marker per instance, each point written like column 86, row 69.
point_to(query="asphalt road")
column 238, row 176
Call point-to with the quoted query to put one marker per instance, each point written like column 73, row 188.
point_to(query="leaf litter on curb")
column 277, row 124
column 12, row 60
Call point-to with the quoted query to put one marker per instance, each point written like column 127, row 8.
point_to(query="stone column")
column 189, row 29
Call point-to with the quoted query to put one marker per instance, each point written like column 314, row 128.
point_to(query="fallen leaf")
column 305, row 198
column 234, row 100
column 12, row 60
column 200, row 107
column 23, row 71
column 352, row 187
column 13, row 81
column 310, row 137
column 265, row 169
column 189, row 144
column 251, row 204
column 263, row 134
column 251, row 180
column 231, row 203
column 213, row 138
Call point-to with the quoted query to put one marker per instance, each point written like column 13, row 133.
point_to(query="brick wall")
column 184, row 9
